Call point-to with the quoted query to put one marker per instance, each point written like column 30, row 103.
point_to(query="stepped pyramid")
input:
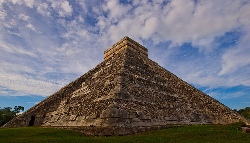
column 125, row 94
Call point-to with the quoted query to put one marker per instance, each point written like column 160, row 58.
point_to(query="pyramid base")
column 112, row 131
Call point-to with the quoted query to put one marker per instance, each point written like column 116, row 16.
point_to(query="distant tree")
column 245, row 112
column 6, row 113
column 17, row 109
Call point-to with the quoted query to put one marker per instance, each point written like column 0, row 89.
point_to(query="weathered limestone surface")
column 126, row 93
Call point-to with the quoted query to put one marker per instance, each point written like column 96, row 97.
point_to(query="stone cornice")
column 126, row 43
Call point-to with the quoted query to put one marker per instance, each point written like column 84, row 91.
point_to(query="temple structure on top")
column 126, row 43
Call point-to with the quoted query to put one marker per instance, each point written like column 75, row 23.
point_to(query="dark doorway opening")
column 32, row 121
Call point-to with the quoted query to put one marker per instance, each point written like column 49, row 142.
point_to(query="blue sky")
column 46, row 44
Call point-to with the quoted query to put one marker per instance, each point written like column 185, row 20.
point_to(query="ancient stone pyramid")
column 124, row 94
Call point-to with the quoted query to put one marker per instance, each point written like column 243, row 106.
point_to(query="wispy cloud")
column 238, row 57
column 219, row 95
column 31, row 27
column 23, row 17
column 62, row 7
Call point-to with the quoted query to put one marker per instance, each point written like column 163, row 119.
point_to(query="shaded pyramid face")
column 126, row 91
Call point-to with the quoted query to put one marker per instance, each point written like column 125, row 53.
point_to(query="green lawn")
column 195, row 133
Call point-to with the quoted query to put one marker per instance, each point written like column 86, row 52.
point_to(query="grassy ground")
column 196, row 133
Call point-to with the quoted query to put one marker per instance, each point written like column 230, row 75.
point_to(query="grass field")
column 195, row 133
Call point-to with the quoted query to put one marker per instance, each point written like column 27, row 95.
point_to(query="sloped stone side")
column 151, row 96
column 74, row 103
column 172, row 99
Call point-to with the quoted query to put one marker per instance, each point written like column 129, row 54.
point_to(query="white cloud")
column 9, row 24
column 43, row 9
column 16, row 1
column 66, row 7
column 62, row 7
column 28, row 3
column 237, row 57
column 25, row 85
column 23, row 17
column 219, row 95
column 116, row 10
column 180, row 21
column 3, row 14
column 31, row 27
column 5, row 47
column 203, row 70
